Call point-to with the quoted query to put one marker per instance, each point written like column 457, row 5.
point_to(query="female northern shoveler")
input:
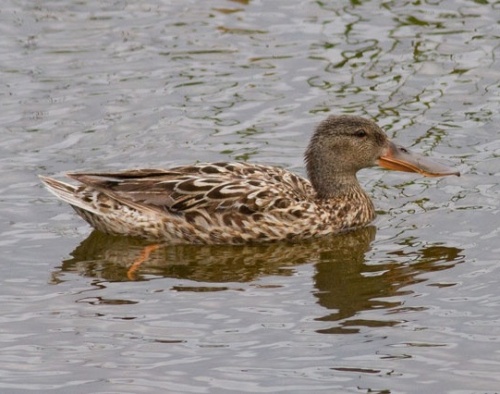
column 234, row 203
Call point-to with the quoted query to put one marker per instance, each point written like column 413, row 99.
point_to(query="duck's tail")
column 67, row 193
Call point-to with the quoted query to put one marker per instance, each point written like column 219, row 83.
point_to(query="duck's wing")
column 238, row 187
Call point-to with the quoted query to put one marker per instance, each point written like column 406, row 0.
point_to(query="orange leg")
column 145, row 253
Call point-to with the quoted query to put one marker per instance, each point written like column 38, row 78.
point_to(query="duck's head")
column 343, row 145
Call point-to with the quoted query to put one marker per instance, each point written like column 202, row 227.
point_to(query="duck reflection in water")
column 344, row 283
column 347, row 285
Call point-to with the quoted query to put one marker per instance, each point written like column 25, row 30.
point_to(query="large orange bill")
column 401, row 159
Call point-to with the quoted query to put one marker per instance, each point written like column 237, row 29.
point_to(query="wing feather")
column 239, row 187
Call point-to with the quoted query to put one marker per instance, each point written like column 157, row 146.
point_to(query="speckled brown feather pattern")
column 228, row 203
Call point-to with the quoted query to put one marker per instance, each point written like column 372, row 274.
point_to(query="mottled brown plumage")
column 235, row 203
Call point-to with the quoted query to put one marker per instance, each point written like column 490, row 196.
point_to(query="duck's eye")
column 360, row 133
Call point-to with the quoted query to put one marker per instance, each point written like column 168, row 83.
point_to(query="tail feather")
column 67, row 193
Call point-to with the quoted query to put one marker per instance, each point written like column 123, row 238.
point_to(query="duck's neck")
column 346, row 200
column 337, row 185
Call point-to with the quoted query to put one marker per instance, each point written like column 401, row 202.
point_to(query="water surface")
column 407, row 305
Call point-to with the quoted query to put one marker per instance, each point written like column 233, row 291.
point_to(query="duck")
column 240, row 202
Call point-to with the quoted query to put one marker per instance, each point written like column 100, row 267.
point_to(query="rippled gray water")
column 408, row 305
